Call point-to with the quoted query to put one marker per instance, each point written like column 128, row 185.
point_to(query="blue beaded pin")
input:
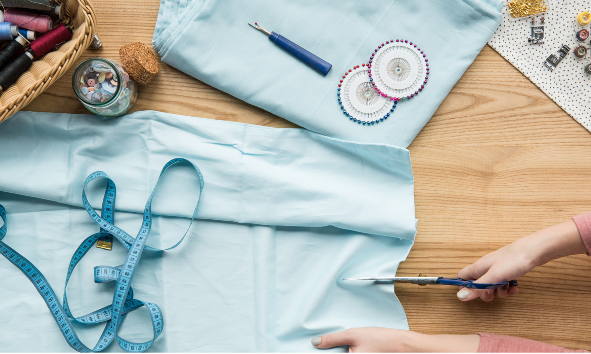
column 359, row 101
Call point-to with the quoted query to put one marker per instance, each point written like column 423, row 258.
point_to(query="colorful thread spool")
column 584, row 18
column 28, row 34
column 582, row 35
column 7, row 31
column 29, row 20
column 50, row 40
column 43, row 45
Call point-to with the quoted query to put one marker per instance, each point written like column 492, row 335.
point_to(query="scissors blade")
column 413, row 280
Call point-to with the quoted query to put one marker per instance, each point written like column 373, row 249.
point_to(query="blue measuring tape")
column 123, row 301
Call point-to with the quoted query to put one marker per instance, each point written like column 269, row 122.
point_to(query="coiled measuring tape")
column 123, row 301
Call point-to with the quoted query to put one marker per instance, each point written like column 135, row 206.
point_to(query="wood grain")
column 499, row 160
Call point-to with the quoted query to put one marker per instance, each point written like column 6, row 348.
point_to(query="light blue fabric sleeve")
column 211, row 41
column 250, row 170
column 285, row 215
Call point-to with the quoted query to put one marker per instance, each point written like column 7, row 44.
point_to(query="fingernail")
column 316, row 341
column 490, row 291
column 463, row 294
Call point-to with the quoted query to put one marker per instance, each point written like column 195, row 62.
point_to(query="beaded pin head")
column 398, row 69
column 359, row 101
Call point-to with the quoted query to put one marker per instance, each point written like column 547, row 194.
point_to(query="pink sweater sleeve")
column 583, row 223
column 492, row 343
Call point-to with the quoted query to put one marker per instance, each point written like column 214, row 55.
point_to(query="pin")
column 522, row 8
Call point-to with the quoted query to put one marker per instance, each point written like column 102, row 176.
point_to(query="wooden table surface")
column 498, row 161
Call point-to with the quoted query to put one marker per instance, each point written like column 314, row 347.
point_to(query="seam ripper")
column 305, row 56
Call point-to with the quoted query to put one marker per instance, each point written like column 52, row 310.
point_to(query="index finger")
column 334, row 340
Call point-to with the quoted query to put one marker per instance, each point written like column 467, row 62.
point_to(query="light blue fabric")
column 284, row 216
column 211, row 41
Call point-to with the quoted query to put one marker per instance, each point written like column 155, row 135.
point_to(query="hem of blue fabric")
column 170, row 34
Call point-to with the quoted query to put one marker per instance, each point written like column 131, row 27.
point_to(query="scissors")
column 424, row 280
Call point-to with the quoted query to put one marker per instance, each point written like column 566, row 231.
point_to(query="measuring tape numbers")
column 123, row 300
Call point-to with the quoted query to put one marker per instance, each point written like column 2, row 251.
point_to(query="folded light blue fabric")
column 211, row 41
column 285, row 215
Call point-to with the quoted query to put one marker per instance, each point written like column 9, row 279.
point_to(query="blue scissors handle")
column 472, row 285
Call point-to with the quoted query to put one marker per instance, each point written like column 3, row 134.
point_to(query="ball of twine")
column 139, row 62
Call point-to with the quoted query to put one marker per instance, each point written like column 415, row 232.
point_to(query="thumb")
column 466, row 294
column 334, row 340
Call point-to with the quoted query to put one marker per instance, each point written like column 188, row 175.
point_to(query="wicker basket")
column 46, row 70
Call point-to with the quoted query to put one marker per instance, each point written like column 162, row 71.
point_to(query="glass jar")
column 103, row 87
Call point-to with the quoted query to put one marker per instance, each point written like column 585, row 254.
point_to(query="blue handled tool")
column 305, row 56
column 424, row 280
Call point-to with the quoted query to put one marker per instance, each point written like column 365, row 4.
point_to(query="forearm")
column 423, row 343
column 554, row 242
column 492, row 343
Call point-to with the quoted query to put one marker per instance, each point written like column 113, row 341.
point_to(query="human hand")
column 386, row 340
column 518, row 258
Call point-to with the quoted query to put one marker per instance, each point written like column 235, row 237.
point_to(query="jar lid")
column 96, row 81
column 139, row 61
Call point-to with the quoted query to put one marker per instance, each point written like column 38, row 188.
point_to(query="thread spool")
column 580, row 51
column 15, row 69
column 28, row 34
column 41, row 5
column 43, row 45
column 584, row 18
column 582, row 35
column 12, row 49
column 56, row 11
column 29, row 20
column 7, row 31
column 48, row 41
